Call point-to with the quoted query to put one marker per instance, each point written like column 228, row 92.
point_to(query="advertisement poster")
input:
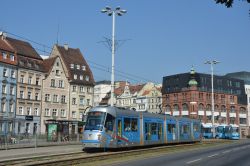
column 52, row 130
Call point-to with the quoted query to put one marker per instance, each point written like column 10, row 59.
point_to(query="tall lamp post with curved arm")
column 117, row 11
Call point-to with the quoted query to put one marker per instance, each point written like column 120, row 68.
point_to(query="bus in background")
column 232, row 132
column 206, row 129
column 220, row 131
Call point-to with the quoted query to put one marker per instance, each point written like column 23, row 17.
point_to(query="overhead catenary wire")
column 97, row 66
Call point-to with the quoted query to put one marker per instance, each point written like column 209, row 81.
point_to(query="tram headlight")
column 99, row 137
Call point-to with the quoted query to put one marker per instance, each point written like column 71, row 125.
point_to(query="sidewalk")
column 48, row 150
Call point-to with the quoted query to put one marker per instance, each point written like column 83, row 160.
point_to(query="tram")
column 113, row 127
column 220, row 131
column 232, row 132
column 206, row 130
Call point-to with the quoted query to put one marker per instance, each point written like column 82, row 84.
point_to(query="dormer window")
column 12, row 57
column 78, row 67
column 4, row 55
column 29, row 64
column 75, row 76
column 87, row 78
column 81, row 77
column 83, row 68
column 72, row 66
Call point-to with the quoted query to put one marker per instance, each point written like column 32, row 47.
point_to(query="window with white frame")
column 36, row 96
column 73, row 114
column 30, row 80
column 20, row 110
column 83, row 68
column 28, row 111
column 63, row 99
column 63, row 113
column 81, row 101
column 81, row 89
column 21, row 79
column 87, row 78
column 88, row 89
column 12, row 90
column 3, row 107
column 78, row 67
column 54, row 112
column 12, row 57
column 61, row 84
column 13, row 74
column 72, row 66
column 57, row 72
column 81, row 77
column 4, row 55
column 36, row 112
column 73, row 101
column 88, row 101
column 47, row 112
column 37, row 81
column 47, row 97
column 75, row 76
column 53, row 83
column 21, row 94
column 74, row 88
column 4, row 89
column 55, row 98
column 5, row 72
column 29, row 95
column 11, row 107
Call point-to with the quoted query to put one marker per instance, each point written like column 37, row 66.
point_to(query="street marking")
column 216, row 154
column 189, row 162
column 227, row 151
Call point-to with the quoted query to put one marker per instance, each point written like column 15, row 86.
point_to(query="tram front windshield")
column 95, row 121
column 235, row 129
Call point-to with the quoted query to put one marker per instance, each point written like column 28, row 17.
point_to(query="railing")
column 26, row 140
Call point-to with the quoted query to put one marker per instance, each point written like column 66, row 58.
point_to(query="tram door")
column 119, row 130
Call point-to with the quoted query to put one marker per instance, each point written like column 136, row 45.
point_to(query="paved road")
column 226, row 155
column 28, row 152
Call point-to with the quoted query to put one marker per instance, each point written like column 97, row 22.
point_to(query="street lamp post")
column 212, row 62
column 118, row 11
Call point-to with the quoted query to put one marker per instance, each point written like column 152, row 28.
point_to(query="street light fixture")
column 117, row 11
column 212, row 62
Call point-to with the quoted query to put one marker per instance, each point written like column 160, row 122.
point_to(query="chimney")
column 3, row 35
column 66, row 47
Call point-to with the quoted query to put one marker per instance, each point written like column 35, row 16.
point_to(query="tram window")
column 134, row 125
column 109, row 122
column 171, row 128
column 196, row 127
column 154, row 128
column 127, row 126
column 185, row 129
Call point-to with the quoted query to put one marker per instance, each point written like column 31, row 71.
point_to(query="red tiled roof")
column 23, row 48
column 5, row 46
column 145, row 93
column 135, row 88
column 74, row 56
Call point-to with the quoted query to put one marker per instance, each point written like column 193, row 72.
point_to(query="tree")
column 228, row 3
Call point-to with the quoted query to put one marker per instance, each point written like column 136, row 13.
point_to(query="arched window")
column 232, row 109
column 168, row 108
column 185, row 107
column 208, row 107
column 223, row 108
column 176, row 107
column 201, row 107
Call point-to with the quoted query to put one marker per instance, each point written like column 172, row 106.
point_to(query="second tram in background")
column 112, row 127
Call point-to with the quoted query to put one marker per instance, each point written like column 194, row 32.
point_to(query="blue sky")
column 162, row 37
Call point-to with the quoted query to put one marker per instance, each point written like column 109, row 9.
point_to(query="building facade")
column 100, row 90
column 8, row 74
column 71, row 82
column 189, row 95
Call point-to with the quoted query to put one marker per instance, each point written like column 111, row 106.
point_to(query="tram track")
column 76, row 158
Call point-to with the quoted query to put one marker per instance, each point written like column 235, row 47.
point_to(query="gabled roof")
column 74, row 56
column 135, row 88
column 48, row 63
column 23, row 48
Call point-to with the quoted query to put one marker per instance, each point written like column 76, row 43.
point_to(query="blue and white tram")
column 220, row 131
column 232, row 132
column 113, row 127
